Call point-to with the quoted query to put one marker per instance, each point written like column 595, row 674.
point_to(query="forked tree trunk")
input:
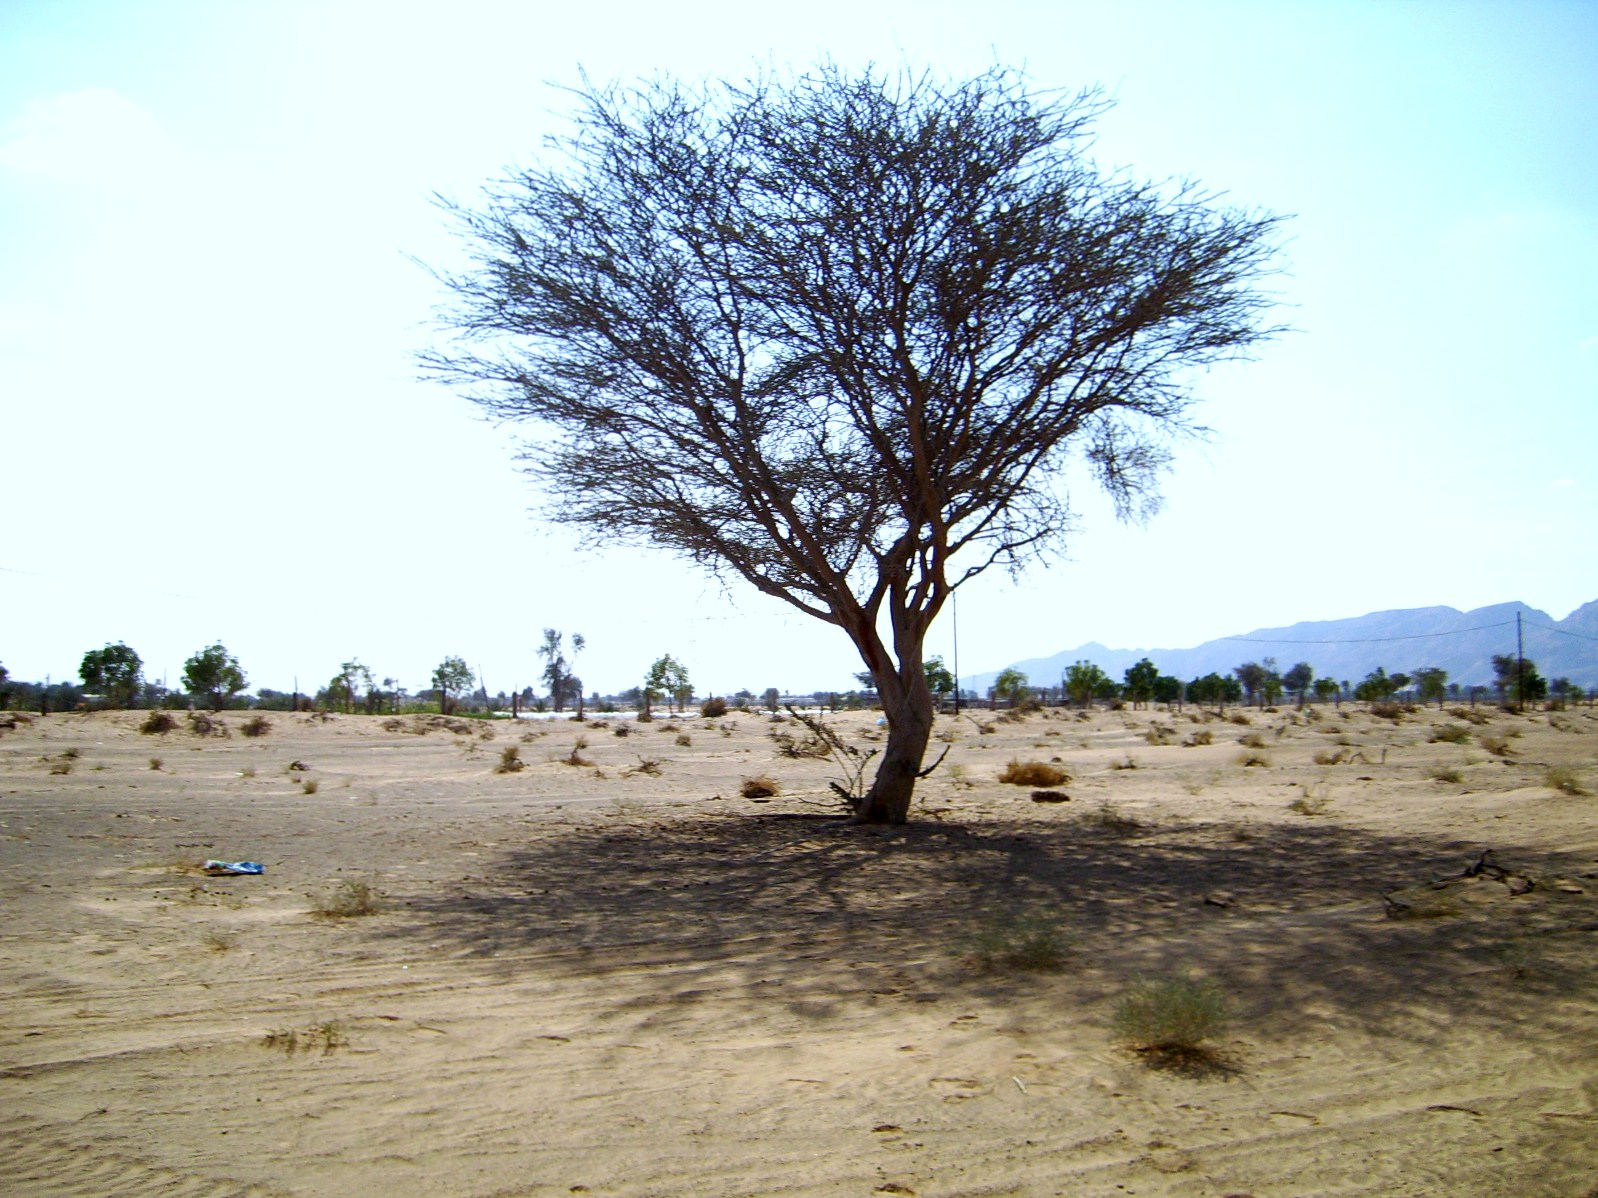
column 909, row 712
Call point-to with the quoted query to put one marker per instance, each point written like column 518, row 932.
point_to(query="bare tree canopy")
column 839, row 334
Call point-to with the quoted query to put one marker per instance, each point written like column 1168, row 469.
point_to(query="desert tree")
column 344, row 688
column 1169, row 690
column 452, row 679
column 214, row 673
column 1271, row 684
column 1378, row 687
column 115, row 672
column 940, row 679
column 1140, row 678
column 558, row 675
column 1517, row 680
column 1252, row 677
column 840, row 335
column 1297, row 680
column 667, row 679
column 1082, row 681
column 1327, row 688
column 1011, row 686
column 1431, row 684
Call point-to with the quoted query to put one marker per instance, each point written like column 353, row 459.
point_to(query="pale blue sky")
column 212, row 429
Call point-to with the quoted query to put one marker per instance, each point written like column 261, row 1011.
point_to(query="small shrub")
column 247, row 772
column 1250, row 760
column 1331, row 757
column 761, row 786
column 1252, row 740
column 1197, row 737
column 1420, row 904
column 1050, row 796
column 1447, row 773
column 1107, row 817
column 158, row 723
column 256, row 725
column 1033, row 773
column 510, row 760
column 624, row 729
column 684, row 741
column 1127, row 763
column 575, row 757
column 72, row 754
column 1024, row 941
column 61, row 767
column 1470, row 715
column 1451, row 734
column 809, row 745
column 960, row 774
column 1496, row 745
column 646, row 765
column 1168, row 1020
column 1237, row 717
column 350, row 899
column 295, row 767
column 1310, row 803
column 156, row 763
column 1563, row 779
column 310, row 786
column 713, row 708
column 202, row 723
column 325, row 1036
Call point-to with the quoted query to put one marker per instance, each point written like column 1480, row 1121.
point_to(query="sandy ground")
column 596, row 979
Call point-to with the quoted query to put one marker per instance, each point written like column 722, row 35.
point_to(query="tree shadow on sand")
column 1288, row 918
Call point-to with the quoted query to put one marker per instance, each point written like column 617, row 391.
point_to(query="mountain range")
column 1463, row 643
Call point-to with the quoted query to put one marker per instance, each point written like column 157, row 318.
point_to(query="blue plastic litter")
column 220, row 869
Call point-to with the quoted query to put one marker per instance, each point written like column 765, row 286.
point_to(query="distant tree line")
column 1516, row 682
column 113, row 677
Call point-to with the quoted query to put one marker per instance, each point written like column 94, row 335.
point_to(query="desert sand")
column 624, row 978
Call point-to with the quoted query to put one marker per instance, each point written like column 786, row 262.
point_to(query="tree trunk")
column 909, row 728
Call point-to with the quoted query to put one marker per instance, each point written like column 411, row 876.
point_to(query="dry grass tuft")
column 203, row 723
column 1563, row 779
column 1107, row 817
column 1022, row 942
column 323, row 1037
column 1168, row 1021
column 761, row 786
column 1033, row 773
column 256, row 725
column 158, row 723
column 510, row 760
column 350, row 899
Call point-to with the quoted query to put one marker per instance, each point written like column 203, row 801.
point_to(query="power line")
column 1581, row 636
column 1375, row 640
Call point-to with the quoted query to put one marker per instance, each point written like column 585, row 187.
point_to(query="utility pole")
column 1520, row 669
column 954, row 623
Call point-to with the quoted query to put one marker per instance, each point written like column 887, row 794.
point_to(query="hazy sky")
column 212, row 426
